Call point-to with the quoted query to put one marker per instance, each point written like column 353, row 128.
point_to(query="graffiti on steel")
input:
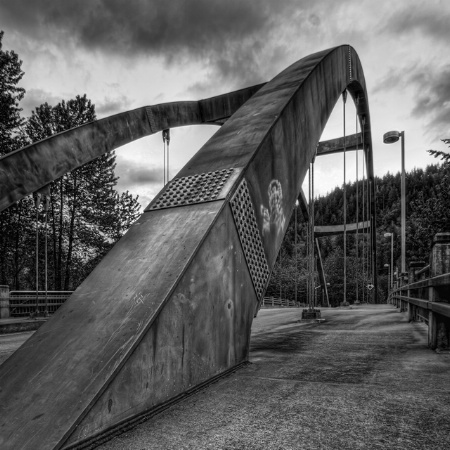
column 273, row 216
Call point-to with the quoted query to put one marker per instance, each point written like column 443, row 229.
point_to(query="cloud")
column 132, row 173
column 427, row 18
column 228, row 37
column 110, row 106
column 433, row 98
column 36, row 97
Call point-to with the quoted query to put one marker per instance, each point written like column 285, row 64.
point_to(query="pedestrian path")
column 363, row 379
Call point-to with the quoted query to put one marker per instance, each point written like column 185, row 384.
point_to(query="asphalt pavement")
column 9, row 343
column 363, row 379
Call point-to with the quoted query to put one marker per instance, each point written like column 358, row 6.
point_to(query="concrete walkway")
column 363, row 379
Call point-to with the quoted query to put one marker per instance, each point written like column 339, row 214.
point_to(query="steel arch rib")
column 172, row 303
column 30, row 168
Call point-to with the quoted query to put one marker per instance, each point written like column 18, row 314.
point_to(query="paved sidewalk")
column 363, row 379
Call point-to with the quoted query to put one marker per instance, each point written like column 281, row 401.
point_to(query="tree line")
column 427, row 213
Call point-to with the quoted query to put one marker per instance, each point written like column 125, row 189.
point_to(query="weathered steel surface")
column 51, row 382
column 178, row 283
column 26, row 170
column 330, row 230
column 352, row 142
column 201, row 332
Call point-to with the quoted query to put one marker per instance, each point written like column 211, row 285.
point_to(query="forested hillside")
column 427, row 213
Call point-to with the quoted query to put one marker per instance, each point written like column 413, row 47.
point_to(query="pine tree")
column 86, row 216
column 10, row 94
column 16, row 223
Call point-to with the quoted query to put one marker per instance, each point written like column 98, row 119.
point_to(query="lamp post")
column 389, row 138
column 389, row 273
column 391, row 235
column 295, row 247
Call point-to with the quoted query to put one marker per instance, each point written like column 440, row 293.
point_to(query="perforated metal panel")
column 194, row 189
column 244, row 216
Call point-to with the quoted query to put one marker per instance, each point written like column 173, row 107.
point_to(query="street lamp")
column 295, row 247
column 389, row 138
column 389, row 273
column 391, row 235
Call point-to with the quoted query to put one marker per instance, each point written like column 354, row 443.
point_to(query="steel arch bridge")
column 171, row 305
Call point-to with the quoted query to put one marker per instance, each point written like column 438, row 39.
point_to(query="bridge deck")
column 362, row 379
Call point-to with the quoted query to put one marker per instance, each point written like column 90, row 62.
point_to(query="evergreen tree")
column 86, row 215
column 16, row 223
column 10, row 94
column 428, row 213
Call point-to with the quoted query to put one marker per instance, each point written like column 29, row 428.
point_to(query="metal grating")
column 244, row 216
column 194, row 189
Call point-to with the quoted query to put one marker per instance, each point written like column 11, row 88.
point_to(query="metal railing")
column 276, row 302
column 428, row 301
column 23, row 303
column 426, row 297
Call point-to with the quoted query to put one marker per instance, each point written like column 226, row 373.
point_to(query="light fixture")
column 391, row 136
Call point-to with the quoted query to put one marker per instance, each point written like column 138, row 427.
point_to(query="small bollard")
column 4, row 301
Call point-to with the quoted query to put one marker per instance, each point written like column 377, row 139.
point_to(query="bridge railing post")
column 4, row 301
column 438, row 325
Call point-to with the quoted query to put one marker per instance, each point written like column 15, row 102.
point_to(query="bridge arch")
column 171, row 305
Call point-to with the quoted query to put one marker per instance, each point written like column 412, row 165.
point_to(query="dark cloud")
column 36, row 97
column 433, row 98
column 227, row 36
column 431, row 87
column 133, row 173
column 314, row 20
column 428, row 19
column 156, row 26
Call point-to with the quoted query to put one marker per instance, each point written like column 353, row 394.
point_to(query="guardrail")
column 276, row 302
column 428, row 299
column 23, row 303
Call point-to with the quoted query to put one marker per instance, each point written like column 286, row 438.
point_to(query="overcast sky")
column 127, row 54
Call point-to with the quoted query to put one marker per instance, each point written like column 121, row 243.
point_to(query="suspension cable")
column 166, row 141
column 308, row 240
column 295, row 249
column 344, row 99
column 37, row 202
column 363, row 210
column 357, row 206
column 313, row 290
column 46, row 205
column 164, row 170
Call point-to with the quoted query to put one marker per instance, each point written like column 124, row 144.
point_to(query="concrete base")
column 311, row 314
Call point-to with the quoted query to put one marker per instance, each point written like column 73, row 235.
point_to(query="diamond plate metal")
column 199, row 188
column 244, row 216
